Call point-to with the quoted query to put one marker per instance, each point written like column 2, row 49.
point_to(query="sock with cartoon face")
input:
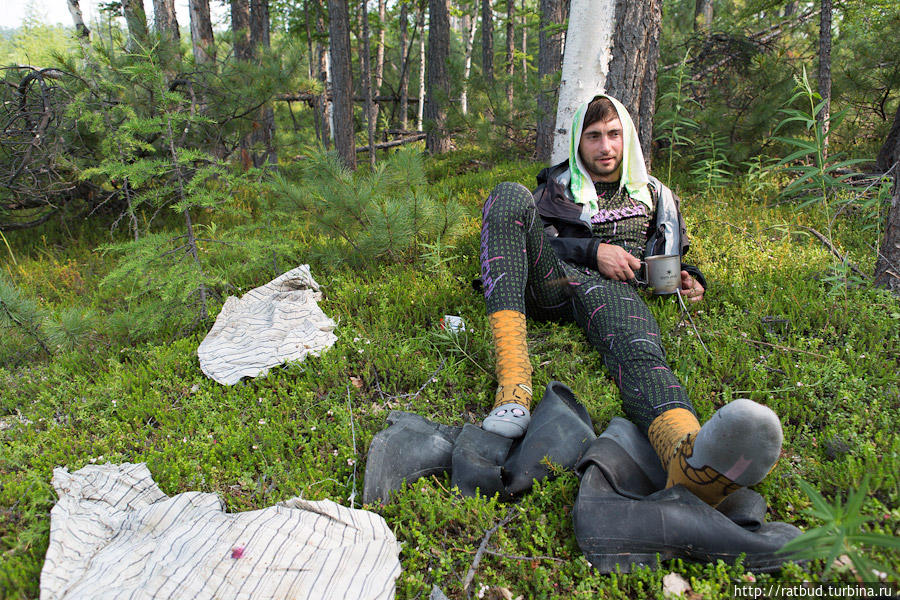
column 737, row 447
column 512, row 402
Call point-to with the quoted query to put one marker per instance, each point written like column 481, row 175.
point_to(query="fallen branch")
column 482, row 548
column 514, row 557
column 776, row 346
column 827, row 243
column 400, row 142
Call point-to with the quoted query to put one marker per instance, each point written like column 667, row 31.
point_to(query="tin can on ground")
column 453, row 323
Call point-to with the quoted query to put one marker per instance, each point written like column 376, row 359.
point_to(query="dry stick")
column 355, row 453
column 776, row 346
column 470, row 574
column 514, row 557
column 400, row 142
column 827, row 243
column 686, row 312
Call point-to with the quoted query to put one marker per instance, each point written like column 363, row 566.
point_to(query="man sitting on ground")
column 571, row 252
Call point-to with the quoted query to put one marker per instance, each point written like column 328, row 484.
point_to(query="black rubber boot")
column 477, row 459
column 411, row 447
column 623, row 519
column 560, row 430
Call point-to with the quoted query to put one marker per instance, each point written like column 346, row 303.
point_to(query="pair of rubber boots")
column 623, row 515
column 479, row 461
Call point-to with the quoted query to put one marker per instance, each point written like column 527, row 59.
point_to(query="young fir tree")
column 385, row 214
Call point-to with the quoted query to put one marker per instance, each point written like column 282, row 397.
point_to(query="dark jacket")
column 570, row 229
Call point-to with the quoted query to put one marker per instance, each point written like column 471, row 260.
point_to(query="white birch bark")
column 420, row 115
column 585, row 64
column 470, row 43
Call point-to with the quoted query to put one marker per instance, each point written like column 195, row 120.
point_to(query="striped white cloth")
column 114, row 534
column 270, row 325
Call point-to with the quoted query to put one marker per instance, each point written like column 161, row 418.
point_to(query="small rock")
column 675, row 586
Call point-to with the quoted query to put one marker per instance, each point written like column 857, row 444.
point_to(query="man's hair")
column 600, row 109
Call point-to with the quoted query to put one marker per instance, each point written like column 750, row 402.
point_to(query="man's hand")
column 690, row 288
column 615, row 263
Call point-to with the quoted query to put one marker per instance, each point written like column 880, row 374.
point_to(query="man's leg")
column 736, row 447
column 516, row 256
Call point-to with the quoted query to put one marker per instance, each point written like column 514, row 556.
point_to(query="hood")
column 634, row 172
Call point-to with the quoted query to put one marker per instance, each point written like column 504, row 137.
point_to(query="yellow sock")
column 511, row 351
column 672, row 435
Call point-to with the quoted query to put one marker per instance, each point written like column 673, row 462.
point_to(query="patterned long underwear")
column 520, row 271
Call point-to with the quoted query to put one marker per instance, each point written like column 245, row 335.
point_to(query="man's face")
column 601, row 149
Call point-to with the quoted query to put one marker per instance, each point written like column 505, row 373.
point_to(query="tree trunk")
column 524, row 43
column 165, row 22
column 78, row 19
column 240, row 29
column 703, row 14
column 136, row 21
column 379, row 56
column 437, row 139
column 487, row 41
column 887, row 267
column 323, row 104
column 367, row 81
column 825, row 71
column 790, row 8
column 614, row 57
column 404, row 67
column 264, row 127
column 202, row 40
column 420, row 109
column 342, row 81
column 889, row 154
column 469, row 33
column 510, row 50
column 553, row 13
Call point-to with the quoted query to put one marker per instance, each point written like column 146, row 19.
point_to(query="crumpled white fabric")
column 270, row 325
column 114, row 535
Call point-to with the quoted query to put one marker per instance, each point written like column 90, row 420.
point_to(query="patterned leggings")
column 520, row 271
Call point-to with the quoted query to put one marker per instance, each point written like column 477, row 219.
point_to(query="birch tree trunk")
column 404, row 67
column 510, row 50
column 78, row 19
column 703, row 14
column 379, row 55
column 136, row 21
column 323, row 104
column 550, row 47
column 487, row 41
column 367, row 81
column 616, row 56
column 825, row 71
column 202, row 40
column 420, row 109
column 164, row 20
column 342, row 81
column 437, row 139
column 469, row 32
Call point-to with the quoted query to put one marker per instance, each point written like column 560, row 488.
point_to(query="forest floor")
column 782, row 328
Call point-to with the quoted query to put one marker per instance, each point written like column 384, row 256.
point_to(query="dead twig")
column 776, row 346
column 482, row 548
column 514, row 557
column 827, row 243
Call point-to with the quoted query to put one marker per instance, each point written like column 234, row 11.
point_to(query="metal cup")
column 663, row 273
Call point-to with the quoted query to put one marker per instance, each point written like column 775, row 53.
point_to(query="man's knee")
column 508, row 196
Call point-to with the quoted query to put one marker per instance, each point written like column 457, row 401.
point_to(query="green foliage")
column 818, row 175
column 387, row 214
column 841, row 532
column 712, row 171
column 673, row 123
